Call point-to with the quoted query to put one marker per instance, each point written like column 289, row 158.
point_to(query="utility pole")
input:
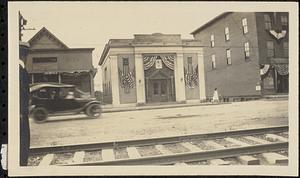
column 22, row 23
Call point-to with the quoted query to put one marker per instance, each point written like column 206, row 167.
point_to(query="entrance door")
column 159, row 90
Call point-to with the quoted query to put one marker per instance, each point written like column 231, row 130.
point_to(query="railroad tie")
column 276, row 138
column 275, row 158
column 217, row 146
column 108, row 155
column 272, row 157
column 258, row 140
column 78, row 157
column 133, row 152
column 163, row 150
column 46, row 161
column 245, row 159
column 191, row 147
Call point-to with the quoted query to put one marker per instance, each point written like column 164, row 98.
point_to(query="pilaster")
column 179, row 78
column 114, row 80
column 140, row 79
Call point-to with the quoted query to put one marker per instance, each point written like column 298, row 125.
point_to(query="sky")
column 92, row 24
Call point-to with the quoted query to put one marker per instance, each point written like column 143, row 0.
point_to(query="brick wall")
column 242, row 76
column 264, row 36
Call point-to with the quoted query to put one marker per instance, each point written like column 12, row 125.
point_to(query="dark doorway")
column 160, row 88
column 282, row 83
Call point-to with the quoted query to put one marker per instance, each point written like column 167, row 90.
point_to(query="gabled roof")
column 46, row 31
column 211, row 22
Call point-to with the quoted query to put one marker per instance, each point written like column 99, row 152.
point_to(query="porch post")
column 32, row 78
column 140, row 79
column 114, row 80
column 179, row 78
column 201, row 76
column 91, row 83
column 59, row 78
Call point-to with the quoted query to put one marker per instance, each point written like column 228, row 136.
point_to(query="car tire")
column 40, row 115
column 90, row 110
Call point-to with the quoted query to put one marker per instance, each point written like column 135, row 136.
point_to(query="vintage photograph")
column 163, row 85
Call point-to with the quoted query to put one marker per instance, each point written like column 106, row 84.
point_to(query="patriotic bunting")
column 282, row 69
column 150, row 60
column 127, row 81
column 191, row 78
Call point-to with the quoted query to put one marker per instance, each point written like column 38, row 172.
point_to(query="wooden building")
column 50, row 60
column 152, row 68
column 246, row 53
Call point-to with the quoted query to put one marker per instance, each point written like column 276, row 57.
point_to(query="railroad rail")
column 251, row 146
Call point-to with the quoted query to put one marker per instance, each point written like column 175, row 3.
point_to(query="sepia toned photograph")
column 153, row 88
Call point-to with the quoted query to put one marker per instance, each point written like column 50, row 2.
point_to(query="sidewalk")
column 109, row 108
column 276, row 96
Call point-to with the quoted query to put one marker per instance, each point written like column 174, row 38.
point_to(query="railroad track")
column 250, row 147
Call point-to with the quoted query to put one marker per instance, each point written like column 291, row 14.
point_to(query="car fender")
column 91, row 102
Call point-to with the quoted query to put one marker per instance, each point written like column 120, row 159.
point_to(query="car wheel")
column 39, row 115
column 93, row 110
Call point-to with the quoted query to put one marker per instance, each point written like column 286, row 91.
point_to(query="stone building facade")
column 245, row 53
column 50, row 60
column 152, row 68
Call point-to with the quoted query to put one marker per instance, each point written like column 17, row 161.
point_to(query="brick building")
column 245, row 53
column 50, row 60
column 152, row 68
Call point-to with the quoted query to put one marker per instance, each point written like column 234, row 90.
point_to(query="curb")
column 158, row 107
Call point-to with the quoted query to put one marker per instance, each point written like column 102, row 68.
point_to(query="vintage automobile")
column 60, row 99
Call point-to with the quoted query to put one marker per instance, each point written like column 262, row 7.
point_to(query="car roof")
column 37, row 86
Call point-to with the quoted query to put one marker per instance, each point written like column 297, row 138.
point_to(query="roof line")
column 45, row 29
column 210, row 22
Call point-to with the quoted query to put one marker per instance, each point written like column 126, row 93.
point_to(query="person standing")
column 215, row 96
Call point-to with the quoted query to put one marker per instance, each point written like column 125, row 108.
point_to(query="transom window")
column 268, row 24
column 212, row 41
column 228, row 56
column 44, row 59
column 227, row 34
column 270, row 48
column 245, row 25
column 213, row 61
column 247, row 51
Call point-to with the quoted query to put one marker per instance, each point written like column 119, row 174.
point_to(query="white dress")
column 216, row 96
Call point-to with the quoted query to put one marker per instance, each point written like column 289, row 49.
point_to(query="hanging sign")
column 158, row 64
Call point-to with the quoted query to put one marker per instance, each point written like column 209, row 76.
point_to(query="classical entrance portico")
column 153, row 68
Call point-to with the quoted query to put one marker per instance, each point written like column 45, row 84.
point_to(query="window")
column 247, row 50
column 44, row 59
column 213, row 61
column 228, row 56
column 284, row 22
column 190, row 64
column 125, row 72
column 285, row 49
column 268, row 24
column 125, row 66
column 155, row 88
column 212, row 41
column 227, row 34
column 163, row 88
column 270, row 48
column 245, row 25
